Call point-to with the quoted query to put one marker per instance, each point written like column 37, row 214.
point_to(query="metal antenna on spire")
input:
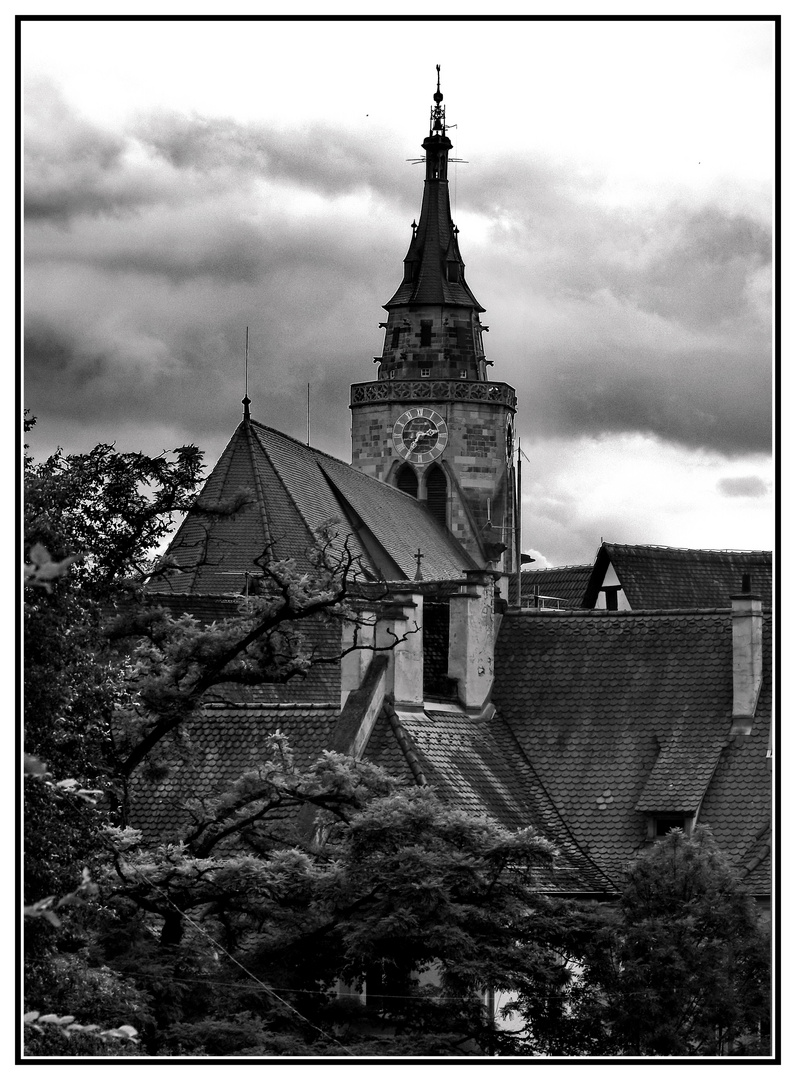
column 246, row 399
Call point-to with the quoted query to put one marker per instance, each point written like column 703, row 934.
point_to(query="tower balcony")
column 387, row 390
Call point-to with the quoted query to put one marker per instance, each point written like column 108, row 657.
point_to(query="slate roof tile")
column 476, row 765
column 220, row 744
column 607, row 706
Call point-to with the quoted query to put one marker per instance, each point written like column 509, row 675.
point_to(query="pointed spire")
column 433, row 266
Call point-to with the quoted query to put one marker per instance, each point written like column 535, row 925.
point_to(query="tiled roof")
column 477, row 766
column 663, row 577
column 220, row 744
column 680, row 776
column 608, row 706
column 562, row 583
column 293, row 491
column 399, row 524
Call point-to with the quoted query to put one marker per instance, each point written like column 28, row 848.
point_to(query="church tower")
column 432, row 423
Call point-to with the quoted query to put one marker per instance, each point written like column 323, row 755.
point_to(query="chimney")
column 471, row 648
column 403, row 615
column 399, row 616
column 747, row 656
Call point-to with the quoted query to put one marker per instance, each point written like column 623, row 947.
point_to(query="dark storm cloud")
column 743, row 487
column 655, row 320
column 73, row 167
column 185, row 230
column 327, row 160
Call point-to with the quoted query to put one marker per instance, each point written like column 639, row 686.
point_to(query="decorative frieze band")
column 433, row 390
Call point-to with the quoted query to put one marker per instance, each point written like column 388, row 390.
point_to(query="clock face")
column 420, row 435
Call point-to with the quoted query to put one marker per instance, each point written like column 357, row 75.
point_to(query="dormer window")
column 453, row 271
column 660, row 825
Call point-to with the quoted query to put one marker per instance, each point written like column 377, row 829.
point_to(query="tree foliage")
column 680, row 967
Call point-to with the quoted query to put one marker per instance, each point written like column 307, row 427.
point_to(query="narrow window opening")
column 437, row 494
column 396, row 334
column 611, row 597
column 425, row 332
column 406, row 480
column 425, row 373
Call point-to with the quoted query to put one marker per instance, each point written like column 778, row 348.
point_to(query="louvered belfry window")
column 437, row 493
column 407, row 480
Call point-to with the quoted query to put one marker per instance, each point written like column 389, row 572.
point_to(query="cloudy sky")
column 185, row 180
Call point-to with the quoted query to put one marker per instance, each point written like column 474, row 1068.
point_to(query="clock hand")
column 420, row 435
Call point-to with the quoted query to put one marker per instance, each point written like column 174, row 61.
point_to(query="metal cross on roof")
column 419, row 573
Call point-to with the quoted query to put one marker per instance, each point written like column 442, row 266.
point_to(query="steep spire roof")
column 433, row 266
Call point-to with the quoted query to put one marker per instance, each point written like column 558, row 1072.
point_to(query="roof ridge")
column 601, row 613
column 258, row 483
column 690, row 550
column 312, row 450
column 281, row 480
column 276, row 706
column 407, row 745
column 568, row 566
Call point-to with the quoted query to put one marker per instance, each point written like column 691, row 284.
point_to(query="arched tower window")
column 406, row 480
column 437, row 493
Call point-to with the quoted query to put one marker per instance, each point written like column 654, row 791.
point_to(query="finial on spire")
column 246, row 399
column 437, row 112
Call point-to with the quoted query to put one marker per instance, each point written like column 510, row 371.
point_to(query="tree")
column 694, row 975
column 680, row 967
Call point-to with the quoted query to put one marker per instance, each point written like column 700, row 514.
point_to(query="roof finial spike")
column 246, row 399
column 438, row 95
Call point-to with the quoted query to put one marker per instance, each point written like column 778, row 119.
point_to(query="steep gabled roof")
column 618, row 711
column 664, row 577
column 292, row 492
